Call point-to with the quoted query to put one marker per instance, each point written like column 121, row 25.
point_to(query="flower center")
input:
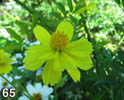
column 59, row 40
column 37, row 96
column 4, row 84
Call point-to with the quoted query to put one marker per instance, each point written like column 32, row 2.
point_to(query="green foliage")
column 62, row 8
column 13, row 34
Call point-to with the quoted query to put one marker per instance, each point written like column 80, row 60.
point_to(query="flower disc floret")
column 37, row 96
column 4, row 84
column 59, row 40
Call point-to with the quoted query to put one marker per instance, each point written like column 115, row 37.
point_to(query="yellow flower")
column 5, row 66
column 59, row 53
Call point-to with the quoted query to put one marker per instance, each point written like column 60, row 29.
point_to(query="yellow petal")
column 80, row 51
column 5, row 66
column 49, row 75
column 80, row 47
column 42, row 35
column 36, row 56
column 75, row 74
column 5, row 69
column 67, row 28
column 63, row 61
column 84, row 63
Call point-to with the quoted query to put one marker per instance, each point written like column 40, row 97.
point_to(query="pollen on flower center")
column 4, row 84
column 59, row 40
column 37, row 96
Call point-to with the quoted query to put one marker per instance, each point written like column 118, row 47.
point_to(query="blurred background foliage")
column 100, row 21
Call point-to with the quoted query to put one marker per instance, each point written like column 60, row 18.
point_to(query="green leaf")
column 14, row 34
column 35, row 18
column 10, row 47
column 69, row 2
column 61, row 8
column 23, row 26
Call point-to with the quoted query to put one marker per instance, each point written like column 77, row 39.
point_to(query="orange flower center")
column 4, row 84
column 59, row 40
column 37, row 96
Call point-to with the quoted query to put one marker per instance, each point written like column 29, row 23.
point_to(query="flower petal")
column 85, row 63
column 23, row 98
column 45, row 98
column 30, row 89
column 47, row 91
column 42, row 35
column 63, row 61
column 38, row 87
column 74, row 73
column 80, row 47
column 5, row 69
column 80, row 51
column 67, row 28
column 49, row 75
column 36, row 56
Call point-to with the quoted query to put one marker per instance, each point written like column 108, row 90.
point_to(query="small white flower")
column 3, row 82
column 38, row 92
column 76, row 94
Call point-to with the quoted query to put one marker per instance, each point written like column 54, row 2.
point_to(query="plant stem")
column 55, row 89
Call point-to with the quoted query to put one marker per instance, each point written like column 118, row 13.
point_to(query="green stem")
column 120, row 42
column 55, row 89
column 16, row 87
